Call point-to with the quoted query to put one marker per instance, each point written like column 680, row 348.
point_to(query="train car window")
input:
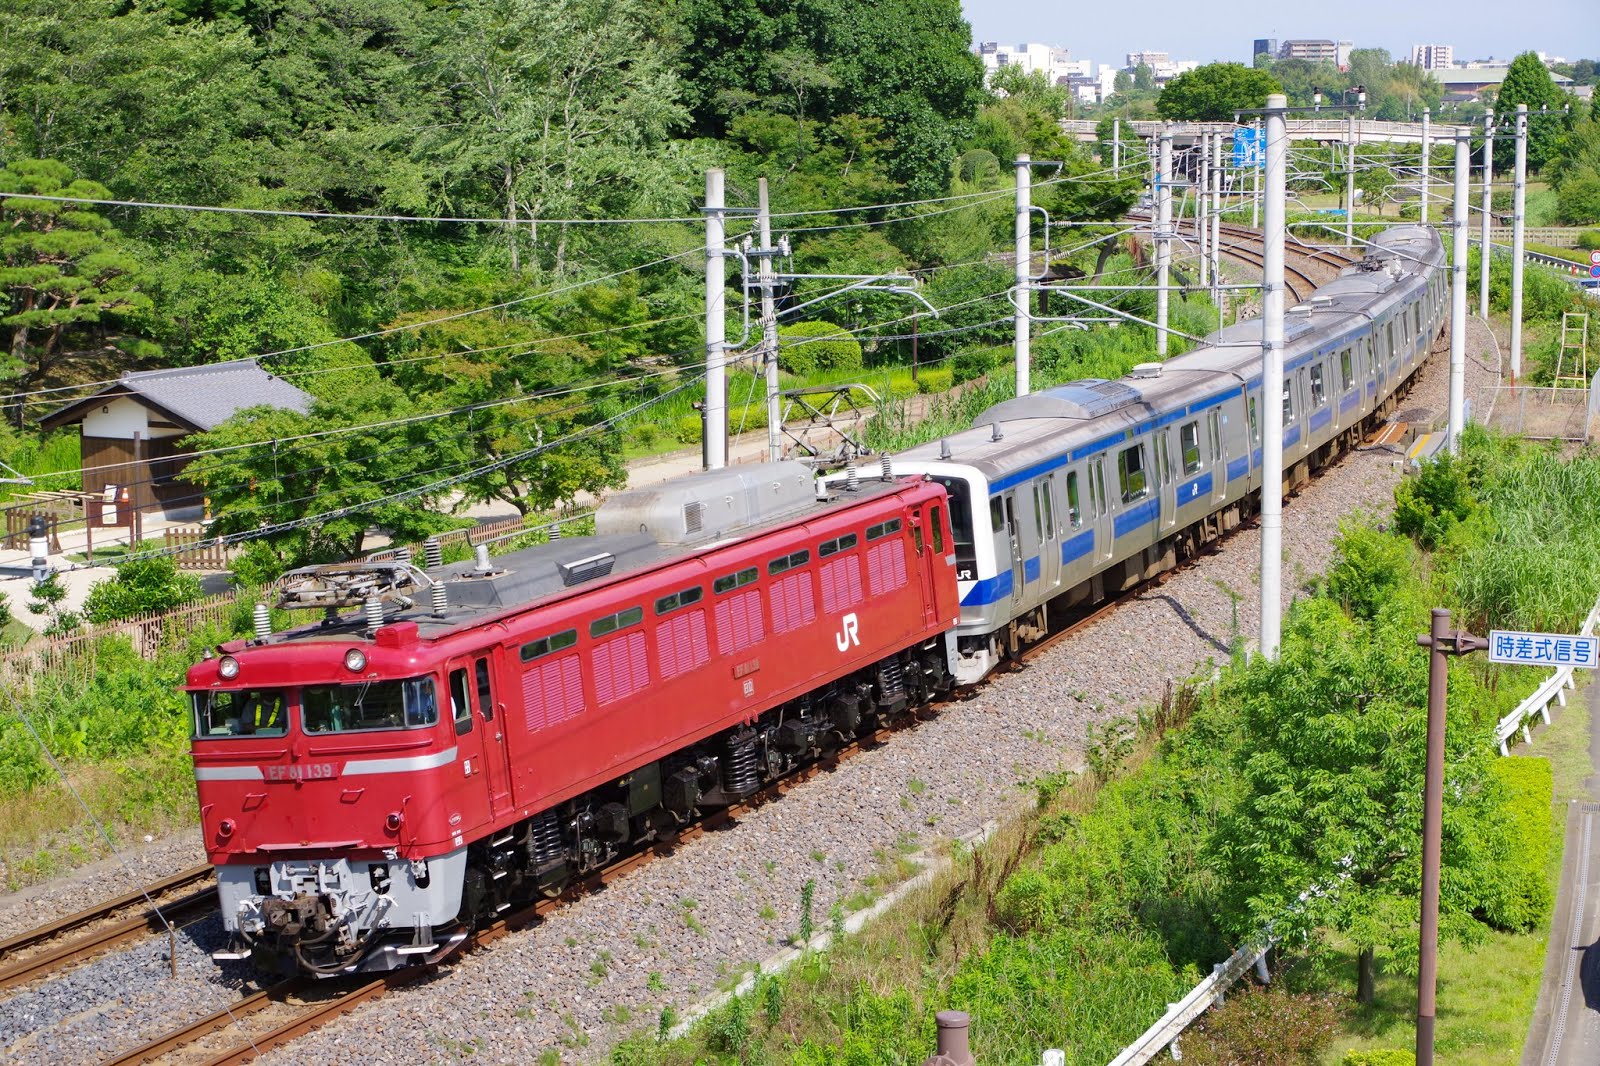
column 485, row 694
column 460, row 707
column 787, row 562
column 1131, row 474
column 1347, row 376
column 737, row 580
column 883, row 529
column 1100, row 489
column 684, row 598
column 937, row 515
column 836, row 545
column 1038, row 516
column 1288, row 401
column 1189, row 444
column 1074, row 512
column 997, row 516
column 409, row 704
column 612, row 622
column 1255, row 424
column 1214, row 423
column 1319, row 391
column 1368, row 353
column 1163, row 466
column 961, row 526
column 1046, row 495
column 538, row 649
column 259, row 712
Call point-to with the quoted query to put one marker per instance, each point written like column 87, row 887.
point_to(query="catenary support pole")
column 715, row 450
column 1484, row 254
column 1271, row 398
column 1519, row 203
column 1458, row 291
column 1350, row 182
column 1427, row 145
column 1216, row 216
column 769, row 325
column 1116, row 144
column 1163, row 237
column 1202, row 209
column 1021, row 295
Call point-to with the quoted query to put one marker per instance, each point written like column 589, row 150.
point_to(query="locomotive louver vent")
column 588, row 568
column 694, row 516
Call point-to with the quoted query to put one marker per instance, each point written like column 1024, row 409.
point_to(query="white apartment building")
column 1432, row 56
column 1055, row 63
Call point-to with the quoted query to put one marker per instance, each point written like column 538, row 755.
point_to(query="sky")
column 1106, row 32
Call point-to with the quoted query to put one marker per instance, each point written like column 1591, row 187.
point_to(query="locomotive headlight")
column 355, row 660
column 228, row 667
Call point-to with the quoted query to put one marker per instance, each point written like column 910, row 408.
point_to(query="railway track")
column 45, row 950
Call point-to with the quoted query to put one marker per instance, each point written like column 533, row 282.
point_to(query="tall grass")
column 52, row 461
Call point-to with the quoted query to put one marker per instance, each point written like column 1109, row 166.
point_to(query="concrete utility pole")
column 1163, row 237
column 1519, row 201
column 1202, row 224
column 714, row 447
column 769, row 325
column 1272, row 374
column 1427, row 143
column 1116, row 144
column 1458, row 294
column 1216, row 219
column 1488, row 213
column 1024, row 285
column 1350, row 183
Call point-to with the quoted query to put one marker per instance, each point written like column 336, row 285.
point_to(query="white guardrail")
column 1554, row 688
column 1205, row 995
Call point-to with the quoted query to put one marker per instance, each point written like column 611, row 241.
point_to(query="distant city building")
column 1264, row 46
column 1148, row 59
column 1317, row 51
column 1055, row 63
column 1465, row 83
column 1432, row 56
column 1160, row 64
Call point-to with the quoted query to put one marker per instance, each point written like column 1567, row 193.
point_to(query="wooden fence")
column 148, row 633
column 192, row 552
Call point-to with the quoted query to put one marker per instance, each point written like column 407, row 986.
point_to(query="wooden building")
column 133, row 433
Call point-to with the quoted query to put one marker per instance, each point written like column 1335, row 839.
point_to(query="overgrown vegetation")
column 1218, row 814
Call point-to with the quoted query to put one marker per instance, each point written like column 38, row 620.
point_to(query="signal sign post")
column 1594, row 264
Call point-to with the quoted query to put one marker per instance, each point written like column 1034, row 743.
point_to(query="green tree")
column 141, row 586
column 807, row 347
column 1213, row 93
column 1527, row 81
column 66, row 281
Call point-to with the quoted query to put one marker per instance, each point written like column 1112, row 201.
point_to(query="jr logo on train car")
column 310, row 771
column 847, row 634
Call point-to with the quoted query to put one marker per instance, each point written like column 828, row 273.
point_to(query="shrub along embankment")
column 1216, row 812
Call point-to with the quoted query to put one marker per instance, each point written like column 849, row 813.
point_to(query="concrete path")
column 1566, row 1022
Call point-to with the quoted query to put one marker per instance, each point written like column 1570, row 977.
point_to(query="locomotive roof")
column 548, row 573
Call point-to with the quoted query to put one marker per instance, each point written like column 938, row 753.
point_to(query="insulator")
column 481, row 564
column 432, row 553
column 944, row 448
column 997, row 435
column 851, row 479
column 402, row 554
column 330, row 615
column 555, row 530
column 263, row 619
column 374, row 611
column 440, row 599
column 888, row 468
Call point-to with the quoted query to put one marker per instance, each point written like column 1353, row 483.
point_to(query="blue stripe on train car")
column 1030, row 569
column 1074, row 548
column 989, row 590
column 1134, row 517
column 1190, row 491
column 1291, row 437
column 1350, row 399
column 1320, row 419
column 1238, row 468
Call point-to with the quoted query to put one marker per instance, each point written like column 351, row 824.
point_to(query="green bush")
column 941, row 379
column 1379, row 1057
column 645, row 434
column 969, row 366
column 1263, row 1026
column 1427, row 507
column 1520, row 897
column 809, row 347
column 1589, row 240
column 142, row 586
column 259, row 564
column 1369, row 566
column 689, row 428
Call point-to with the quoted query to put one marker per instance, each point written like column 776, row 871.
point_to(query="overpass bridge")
column 1335, row 128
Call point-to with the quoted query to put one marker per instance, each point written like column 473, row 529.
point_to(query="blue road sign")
column 1594, row 271
column 1247, row 149
column 1543, row 649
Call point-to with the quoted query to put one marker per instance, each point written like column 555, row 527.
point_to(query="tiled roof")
column 201, row 397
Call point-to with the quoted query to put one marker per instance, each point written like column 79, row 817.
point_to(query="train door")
column 470, row 744
column 1219, row 459
column 934, row 563
column 1166, row 484
column 491, row 715
column 1013, row 535
column 1104, row 529
column 1044, row 508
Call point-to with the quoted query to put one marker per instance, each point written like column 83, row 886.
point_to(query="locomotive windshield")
column 254, row 712
column 961, row 526
column 264, row 712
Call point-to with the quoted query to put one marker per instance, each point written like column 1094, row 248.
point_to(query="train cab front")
column 323, row 769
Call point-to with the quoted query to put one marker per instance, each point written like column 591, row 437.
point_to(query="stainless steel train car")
column 1079, row 491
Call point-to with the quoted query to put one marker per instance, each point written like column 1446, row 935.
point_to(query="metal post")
column 1163, row 237
column 1116, row 144
column 1020, row 297
column 1216, row 216
column 1427, row 143
column 1488, row 214
column 1519, row 200
column 1458, row 293
column 1350, row 183
column 769, row 325
column 1202, row 225
column 1272, row 375
column 1255, row 179
column 715, row 449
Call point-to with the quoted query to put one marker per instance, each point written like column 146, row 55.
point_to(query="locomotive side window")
column 836, row 545
column 261, row 712
column 671, row 603
column 883, row 529
column 485, row 693
column 460, row 705
column 785, row 563
column 1131, row 474
column 555, row 642
column 613, row 622
column 1189, row 445
column 729, row 582
column 938, row 529
column 370, row 705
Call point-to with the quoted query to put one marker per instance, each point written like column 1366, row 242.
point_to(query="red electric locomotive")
column 483, row 733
